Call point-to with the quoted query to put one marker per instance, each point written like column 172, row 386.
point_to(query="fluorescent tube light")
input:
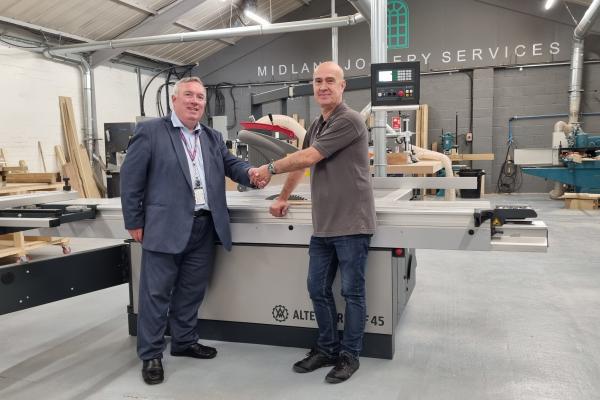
column 549, row 4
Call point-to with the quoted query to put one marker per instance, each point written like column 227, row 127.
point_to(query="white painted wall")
column 31, row 84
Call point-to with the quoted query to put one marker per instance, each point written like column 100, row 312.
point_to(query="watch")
column 271, row 168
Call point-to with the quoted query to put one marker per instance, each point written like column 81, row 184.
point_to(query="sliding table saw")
column 257, row 293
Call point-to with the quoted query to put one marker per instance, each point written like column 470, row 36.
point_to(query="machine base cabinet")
column 258, row 294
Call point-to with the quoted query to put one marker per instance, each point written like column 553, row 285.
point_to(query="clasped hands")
column 260, row 176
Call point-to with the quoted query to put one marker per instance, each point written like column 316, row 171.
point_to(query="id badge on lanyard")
column 199, row 195
column 192, row 152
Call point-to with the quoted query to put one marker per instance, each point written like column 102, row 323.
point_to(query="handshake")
column 260, row 176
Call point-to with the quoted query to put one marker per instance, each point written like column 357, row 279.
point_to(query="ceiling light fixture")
column 549, row 4
column 255, row 17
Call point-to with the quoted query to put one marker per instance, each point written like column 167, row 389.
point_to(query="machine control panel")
column 395, row 84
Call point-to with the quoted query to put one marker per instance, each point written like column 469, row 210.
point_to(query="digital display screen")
column 398, row 75
column 384, row 76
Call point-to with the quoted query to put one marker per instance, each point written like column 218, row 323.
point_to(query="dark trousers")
column 172, row 287
column 349, row 255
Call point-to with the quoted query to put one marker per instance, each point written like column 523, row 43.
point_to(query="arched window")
column 397, row 24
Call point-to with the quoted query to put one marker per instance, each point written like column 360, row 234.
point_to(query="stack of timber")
column 18, row 245
column 581, row 201
column 5, row 169
column 26, row 182
column 76, row 163
column 17, row 179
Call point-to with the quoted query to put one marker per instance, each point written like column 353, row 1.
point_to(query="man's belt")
column 201, row 213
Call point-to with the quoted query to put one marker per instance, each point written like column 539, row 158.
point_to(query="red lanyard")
column 191, row 152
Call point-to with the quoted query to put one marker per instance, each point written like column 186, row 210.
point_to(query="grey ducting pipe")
column 254, row 30
column 575, row 87
column 287, row 122
column 363, row 7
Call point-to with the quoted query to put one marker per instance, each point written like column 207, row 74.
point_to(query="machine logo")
column 280, row 313
column 397, row 24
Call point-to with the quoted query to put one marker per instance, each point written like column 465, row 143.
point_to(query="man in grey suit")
column 173, row 199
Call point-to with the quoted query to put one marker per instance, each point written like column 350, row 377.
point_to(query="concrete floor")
column 479, row 325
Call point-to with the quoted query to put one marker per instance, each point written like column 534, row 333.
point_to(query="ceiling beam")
column 580, row 2
column 39, row 29
column 136, row 6
column 148, row 27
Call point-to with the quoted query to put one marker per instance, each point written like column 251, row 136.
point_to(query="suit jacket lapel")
column 179, row 151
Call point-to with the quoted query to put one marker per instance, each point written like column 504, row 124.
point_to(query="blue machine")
column 448, row 142
column 584, row 176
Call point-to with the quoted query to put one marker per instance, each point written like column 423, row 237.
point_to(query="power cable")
column 510, row 178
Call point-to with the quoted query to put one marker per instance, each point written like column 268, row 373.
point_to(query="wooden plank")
column 87, row 175
column 397, row 158
column 33, row 177
column 67, row 124
column 581, row 204
column 74, row 181
column 418, row 126
column 42, row 155
column 79, row 158
column 14, row 169
column 586, row 196
column 472, row 157
column 22, row 188
column 17, row 244
column 421, row 167
column 424, row 125
column 71, row 140
column 60, row 155
column 68, row 171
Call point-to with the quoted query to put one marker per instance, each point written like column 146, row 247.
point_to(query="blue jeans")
column 349, row 254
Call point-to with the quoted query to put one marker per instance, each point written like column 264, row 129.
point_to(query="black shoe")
column 345, row 367
column 314, row 359
column 152, row 371
column 196, row 351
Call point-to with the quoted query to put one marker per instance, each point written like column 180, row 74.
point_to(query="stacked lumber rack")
column 17, row 246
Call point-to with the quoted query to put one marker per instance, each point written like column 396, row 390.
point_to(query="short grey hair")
column 186, row 80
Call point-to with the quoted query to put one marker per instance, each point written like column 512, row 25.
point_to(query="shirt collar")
column 178, row 124
column 339, row 108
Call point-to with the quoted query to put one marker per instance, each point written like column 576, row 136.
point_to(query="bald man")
column 343, row 214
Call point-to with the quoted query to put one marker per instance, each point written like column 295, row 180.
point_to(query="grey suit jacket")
column 156, row 187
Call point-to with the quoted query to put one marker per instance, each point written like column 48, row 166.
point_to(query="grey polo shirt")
column 340, row 184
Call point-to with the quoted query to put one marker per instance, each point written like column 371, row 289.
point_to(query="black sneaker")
column 345, row 367
column 314, row 360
